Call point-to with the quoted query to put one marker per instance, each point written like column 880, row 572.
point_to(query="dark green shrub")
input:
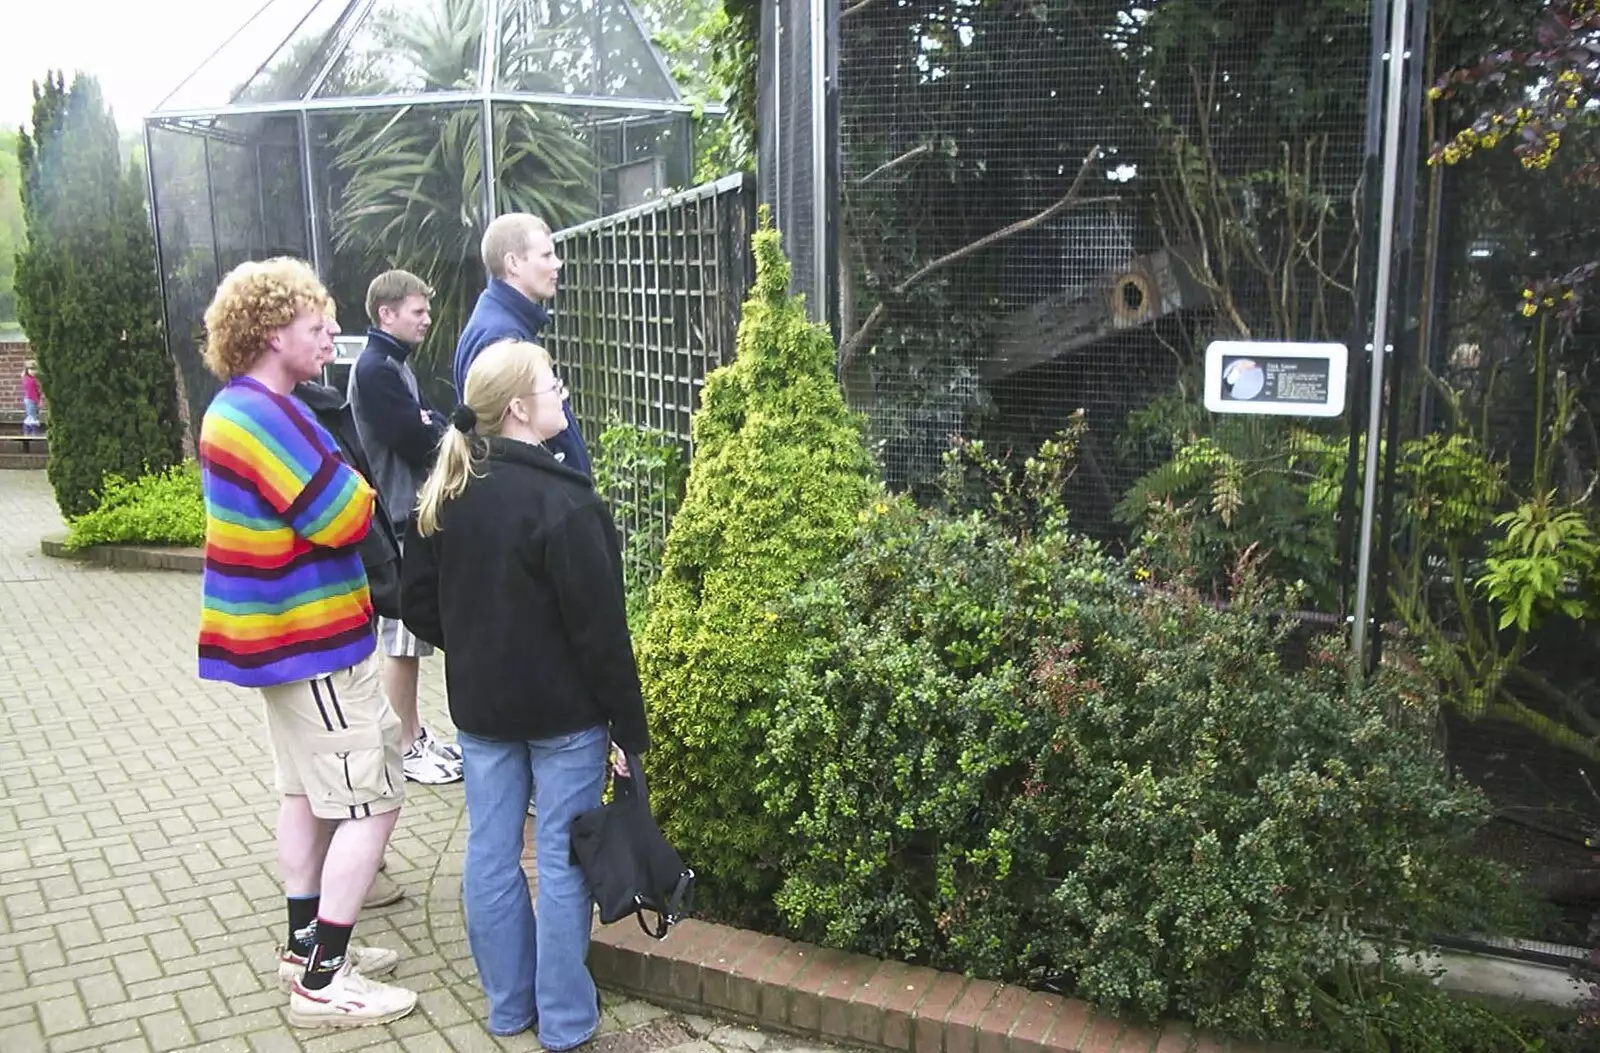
column 778, row 477
column 640, row 472
column 996, row 755
column 88, row 297
column 164, row 508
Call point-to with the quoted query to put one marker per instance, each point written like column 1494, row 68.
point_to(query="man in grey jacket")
column 400, row 432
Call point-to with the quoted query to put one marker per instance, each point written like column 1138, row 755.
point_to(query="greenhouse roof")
column 344, row 54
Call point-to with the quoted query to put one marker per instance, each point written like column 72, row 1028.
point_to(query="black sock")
column 327, row 957
column 302, row 923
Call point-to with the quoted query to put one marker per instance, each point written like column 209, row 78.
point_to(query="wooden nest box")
column 1135, row 294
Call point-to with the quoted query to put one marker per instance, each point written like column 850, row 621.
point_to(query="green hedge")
column 998, row 753
column 640, row 473
column 165, row 508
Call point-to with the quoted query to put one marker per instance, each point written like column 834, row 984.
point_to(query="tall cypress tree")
column 88, row 297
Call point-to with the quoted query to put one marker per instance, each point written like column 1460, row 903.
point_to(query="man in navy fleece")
column 523, row 267
column 400, row 432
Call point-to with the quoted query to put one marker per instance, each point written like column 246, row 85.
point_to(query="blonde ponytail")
column 502, row 371
column 451, row 470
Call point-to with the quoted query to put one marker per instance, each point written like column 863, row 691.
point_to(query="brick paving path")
column 138, row 901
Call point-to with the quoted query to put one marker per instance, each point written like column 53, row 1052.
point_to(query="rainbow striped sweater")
column 284, row 595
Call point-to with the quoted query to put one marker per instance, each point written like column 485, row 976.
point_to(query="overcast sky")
column 138, row 50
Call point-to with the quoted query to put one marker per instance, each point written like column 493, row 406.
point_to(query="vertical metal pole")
column 261, row 203
column 1365, row 290
column 307, row 183
column 777, row 114
column 486, row 79
column 819, row 160
column 155, row 228
column 1394, row 102
column 833, row 205
column 161, row 269
column 211, row 206
column 1406, row 335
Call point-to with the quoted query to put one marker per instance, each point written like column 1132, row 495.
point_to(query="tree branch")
column 856, row 8
column 916, row 151
column 852, row 345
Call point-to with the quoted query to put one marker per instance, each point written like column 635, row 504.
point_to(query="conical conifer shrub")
column 779, row 477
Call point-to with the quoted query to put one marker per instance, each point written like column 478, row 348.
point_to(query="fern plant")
column 1238, row 483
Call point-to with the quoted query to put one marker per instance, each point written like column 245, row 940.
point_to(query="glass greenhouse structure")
column 354, row 133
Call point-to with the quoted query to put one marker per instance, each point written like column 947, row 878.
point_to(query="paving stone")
column 139, row 902
column 63, row 1014
column 699, row 1026
column 95, row 1039
column 738, row 1038
column 22, row 1038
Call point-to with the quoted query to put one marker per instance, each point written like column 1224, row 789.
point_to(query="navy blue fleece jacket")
column 388, row 407
column 504, row 313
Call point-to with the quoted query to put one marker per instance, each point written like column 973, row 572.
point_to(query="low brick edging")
column 131, row 557
column 849, row 998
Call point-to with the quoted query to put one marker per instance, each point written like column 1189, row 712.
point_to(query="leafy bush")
column 640, row 473
column 779, row 473
column 164, row 508
column 996, row 755
column 1239, row 479
column 88, row 297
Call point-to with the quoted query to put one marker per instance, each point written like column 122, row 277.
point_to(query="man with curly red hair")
column 285, row 610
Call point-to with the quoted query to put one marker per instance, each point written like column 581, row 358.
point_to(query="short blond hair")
column 511, row 235
column 393, row 288
column 253, row 301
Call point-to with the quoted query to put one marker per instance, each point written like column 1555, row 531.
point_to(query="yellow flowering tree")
column 1542, row 95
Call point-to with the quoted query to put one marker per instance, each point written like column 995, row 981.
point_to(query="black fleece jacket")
column 332, row 410
column 521, row 586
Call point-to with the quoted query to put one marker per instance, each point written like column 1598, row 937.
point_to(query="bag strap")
column 636, row 776
column 675, row 908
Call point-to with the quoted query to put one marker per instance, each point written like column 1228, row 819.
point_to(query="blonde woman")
column 512, row 567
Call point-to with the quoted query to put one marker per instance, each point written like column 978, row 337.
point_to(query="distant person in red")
column 32, row 399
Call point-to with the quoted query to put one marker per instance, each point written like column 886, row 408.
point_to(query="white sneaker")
column 351, row 1000
column 448, row 752
column 368, row 961
column 421, row 764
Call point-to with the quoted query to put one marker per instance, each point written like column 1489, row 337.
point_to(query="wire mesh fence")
column 1496, row 430
column 1050, row 209
column 788, row 158
column 224, row 191
column 650, row 305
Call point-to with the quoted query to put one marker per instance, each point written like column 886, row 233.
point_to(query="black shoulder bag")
column 628, row 863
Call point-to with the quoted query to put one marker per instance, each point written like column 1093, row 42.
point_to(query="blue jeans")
column 531, row 963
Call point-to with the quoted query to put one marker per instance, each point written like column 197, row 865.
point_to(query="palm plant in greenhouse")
column 407, row 183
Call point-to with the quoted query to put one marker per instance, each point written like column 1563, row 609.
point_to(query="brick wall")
column 12, row 358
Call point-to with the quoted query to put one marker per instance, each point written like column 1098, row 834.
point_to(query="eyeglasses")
column 559, row 387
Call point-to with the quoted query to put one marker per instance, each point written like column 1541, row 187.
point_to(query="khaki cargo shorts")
column 336, row 741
